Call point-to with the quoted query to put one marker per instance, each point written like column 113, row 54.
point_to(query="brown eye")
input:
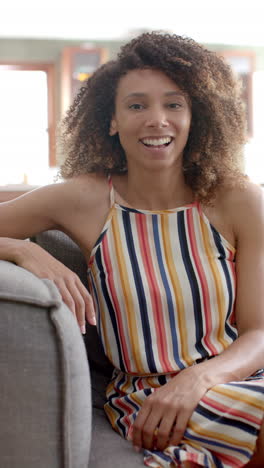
column 175, row 105
column 136, row 106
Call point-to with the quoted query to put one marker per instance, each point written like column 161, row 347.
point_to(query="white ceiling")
column 211, row 21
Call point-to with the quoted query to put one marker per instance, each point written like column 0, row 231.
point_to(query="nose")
column 157, row 117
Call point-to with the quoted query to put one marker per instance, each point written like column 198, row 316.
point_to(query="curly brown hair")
column 213, row 152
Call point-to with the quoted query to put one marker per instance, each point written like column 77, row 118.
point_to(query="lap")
column 223, row 429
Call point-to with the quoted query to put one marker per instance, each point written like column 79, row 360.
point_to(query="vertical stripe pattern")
column 163, row 285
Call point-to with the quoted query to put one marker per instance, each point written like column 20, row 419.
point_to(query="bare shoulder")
column 62, row 206
column 237, row 210
column 78, row 193
column 86, row 207
column 83, row 200
column 243, row 208
column 245, row 200
column 85, row 189
column 91, row 181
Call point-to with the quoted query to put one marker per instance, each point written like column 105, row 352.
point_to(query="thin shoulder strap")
column 111, row 190
column 199, row 207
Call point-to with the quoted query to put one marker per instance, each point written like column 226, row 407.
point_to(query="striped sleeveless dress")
column 163, row 285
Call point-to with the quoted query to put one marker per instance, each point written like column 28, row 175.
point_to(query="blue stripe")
column 140, row 293
column 134, row 384
column 205, row 441
column 121, row 413
column 196, row 299
column 163, row 456
column 170, row 303
column 217, row 462
column 100, row 238
column 132, row 403
column 109, row 307
column 208, row 414
column 111, row 402
column 223, row 260
column 256, row 388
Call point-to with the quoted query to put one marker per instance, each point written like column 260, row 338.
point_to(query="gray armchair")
column 51, row 395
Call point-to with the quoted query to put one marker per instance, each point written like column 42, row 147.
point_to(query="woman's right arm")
column 34, row 212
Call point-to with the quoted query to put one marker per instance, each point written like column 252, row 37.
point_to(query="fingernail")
column 83, row 329
column 136, row 448
column 93, row 321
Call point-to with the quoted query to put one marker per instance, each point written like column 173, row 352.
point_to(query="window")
column 27, row 150
column 254, row 151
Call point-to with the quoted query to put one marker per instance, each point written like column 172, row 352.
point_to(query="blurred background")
column 47, row 50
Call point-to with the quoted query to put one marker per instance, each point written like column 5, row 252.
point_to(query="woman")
column 172, row 231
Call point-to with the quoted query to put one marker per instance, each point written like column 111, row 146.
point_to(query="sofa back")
column 67, row 251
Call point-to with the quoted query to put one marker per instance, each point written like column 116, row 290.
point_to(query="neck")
column 161, row 191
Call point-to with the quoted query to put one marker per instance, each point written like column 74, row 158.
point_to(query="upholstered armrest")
column 45, row 401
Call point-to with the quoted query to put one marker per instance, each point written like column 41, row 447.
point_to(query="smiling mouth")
column 156, row 142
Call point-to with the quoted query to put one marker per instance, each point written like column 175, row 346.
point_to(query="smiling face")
column 152, row 117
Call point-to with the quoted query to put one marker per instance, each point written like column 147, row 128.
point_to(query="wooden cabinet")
column 77, row 64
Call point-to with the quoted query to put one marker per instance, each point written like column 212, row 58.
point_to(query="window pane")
column 254, row 149
column 24, row 145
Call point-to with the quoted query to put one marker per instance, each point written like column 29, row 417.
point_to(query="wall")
column 49, row 51
column 45, row 51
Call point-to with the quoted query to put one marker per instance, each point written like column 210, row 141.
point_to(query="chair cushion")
column 109, row 449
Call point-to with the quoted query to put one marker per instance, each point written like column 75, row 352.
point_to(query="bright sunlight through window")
column 254, row 151
column 24, row 144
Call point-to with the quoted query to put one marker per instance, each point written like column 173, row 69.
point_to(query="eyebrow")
column 167, row 94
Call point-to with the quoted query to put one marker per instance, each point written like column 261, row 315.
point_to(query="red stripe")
column 229, row 410
column 127, row 409
column 140, row 384
column 203, row 283
column 154, row 292
column 228, row 458
column 112, row 290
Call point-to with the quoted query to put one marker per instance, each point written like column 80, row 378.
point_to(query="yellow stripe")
column 110, row 387
column 220, row 436
column 126, row 385
column 218, row 284
column 238, row 396
column 112, row 416
column 152, row 382
column 128, row 297
column 136, row 399
column 176, row 289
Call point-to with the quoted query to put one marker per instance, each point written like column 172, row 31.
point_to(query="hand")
column 34, row 258
column 164, row 415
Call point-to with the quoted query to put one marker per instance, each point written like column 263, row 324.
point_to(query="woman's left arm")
column 246, row 355
column 171, row 406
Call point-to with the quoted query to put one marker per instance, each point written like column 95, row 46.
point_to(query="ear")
column 113, row 127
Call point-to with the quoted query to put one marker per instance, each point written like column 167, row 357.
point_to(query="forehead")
column 146, row 81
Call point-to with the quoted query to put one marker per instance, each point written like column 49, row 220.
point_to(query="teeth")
column 156, row 141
